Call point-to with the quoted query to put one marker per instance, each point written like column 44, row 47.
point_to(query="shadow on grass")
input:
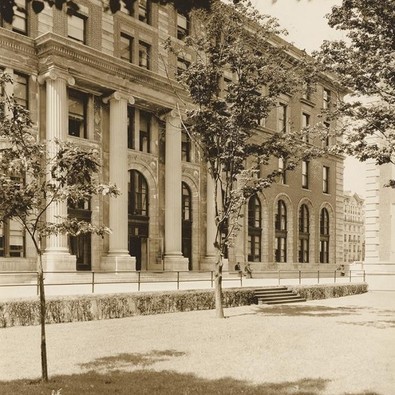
column 310, row 311
column 150, row 382
column 122, row 361
column 379, row 324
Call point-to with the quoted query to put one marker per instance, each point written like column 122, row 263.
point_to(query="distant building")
column 354, row 228
column 104, row 81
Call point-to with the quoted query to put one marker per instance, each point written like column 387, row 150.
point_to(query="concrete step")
column 277, row 295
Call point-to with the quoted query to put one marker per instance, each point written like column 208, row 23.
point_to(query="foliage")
column 8, row 7
column 35, row 176
column 365, row 64
column 235, row 40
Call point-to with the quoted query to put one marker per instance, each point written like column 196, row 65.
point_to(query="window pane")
column 76, row 27
column 144, row 53
column 77, row 114
column 21, row 89
column 126, row 45
column 19, row 23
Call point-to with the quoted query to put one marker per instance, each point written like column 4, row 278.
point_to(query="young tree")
column 36, row 176
column 223, row 113
column 365, row 64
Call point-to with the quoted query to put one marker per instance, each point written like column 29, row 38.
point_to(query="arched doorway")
column 138, row 228
column 187, row 224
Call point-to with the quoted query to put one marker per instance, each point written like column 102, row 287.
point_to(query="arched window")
column 324, row 236
column 186, row 203
column 138, row 194
column 281, row 232
column 304, row 233
column 254, row 229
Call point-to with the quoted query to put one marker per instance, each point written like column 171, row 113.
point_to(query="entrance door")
column 80, row 245
column 187, row 224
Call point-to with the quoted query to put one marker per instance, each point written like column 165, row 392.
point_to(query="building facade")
column 105, row 81
column 354, row 228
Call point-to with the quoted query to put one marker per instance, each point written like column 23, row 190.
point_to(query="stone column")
column 211, row 254
column 173, row 259
column 118, row 257
column 56, row 255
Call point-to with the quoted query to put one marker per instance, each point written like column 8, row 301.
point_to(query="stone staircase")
column 277, row 295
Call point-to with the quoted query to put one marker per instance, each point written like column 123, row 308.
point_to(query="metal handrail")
column 143, row 277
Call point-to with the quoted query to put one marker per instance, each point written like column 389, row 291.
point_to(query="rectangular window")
column 21, row 91
column 182, row 65
column 306, row 91
column 77, row 114
column 183, row 26
column 281, row 169
column 12, row 239
column 185, row 147
column 144, row 11
column 326, row 137
column 145, row 131
column 144, row 54
column 326, row 99
column 131, row 128
column 325, row 179
column 282, row 118
column 305, row 124
column 126, row 47
column 19, row 23
column 77, row 27
column 305, row 174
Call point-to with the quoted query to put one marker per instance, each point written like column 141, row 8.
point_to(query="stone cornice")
column 123, row 74
column 16, row 42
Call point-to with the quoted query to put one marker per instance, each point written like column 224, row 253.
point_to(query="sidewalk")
column 346, row 344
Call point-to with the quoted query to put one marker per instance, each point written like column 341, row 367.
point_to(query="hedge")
column 62, row 309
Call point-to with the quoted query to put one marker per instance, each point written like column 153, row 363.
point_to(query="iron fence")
column 93, row 280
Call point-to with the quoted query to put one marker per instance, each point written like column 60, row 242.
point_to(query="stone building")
column 354, row 228
column 105, row 81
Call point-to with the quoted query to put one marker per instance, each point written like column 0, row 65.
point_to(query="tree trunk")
column 44, row 364
column 219, row 309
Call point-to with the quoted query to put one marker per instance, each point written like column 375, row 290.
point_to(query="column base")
column 174, row 263
column 53, row 262
column 380, row 275
column 209, row 263
column 115, row 263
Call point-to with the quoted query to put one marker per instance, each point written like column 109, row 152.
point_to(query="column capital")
column 53, row 74
column 174, row 113
column 118, row 95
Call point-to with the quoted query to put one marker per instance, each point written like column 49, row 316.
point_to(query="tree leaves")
column 365, row 64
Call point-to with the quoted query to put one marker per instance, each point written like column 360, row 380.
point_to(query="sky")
column 308, row 28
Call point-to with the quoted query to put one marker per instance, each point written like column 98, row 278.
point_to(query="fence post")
column 212, row 279
column 350, row 277
column 279, row 277
column 300, row 277
column 241, row 278
column 318, row 277
column 334, row 277
column 178, row 280
column 93, row 282
column 138, row 281
column 364, row 277
column 38, row 284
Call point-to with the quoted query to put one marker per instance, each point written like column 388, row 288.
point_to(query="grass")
column 141, row 382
